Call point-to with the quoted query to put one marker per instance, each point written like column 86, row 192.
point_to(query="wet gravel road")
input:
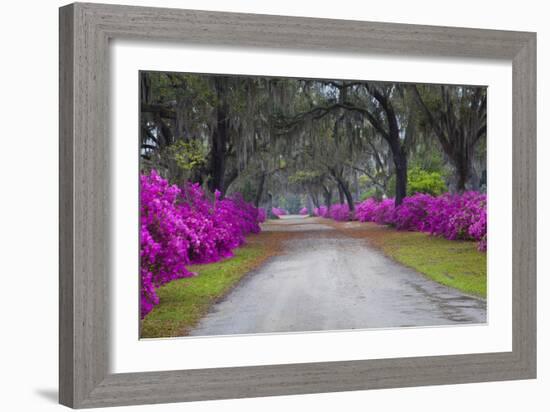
column 326, row 280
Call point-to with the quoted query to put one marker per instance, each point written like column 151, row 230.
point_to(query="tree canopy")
column 293, row 142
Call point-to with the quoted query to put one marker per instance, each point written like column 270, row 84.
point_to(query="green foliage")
column 364, row 180
column 421, row 181
column 428, row 157
column 188, row 155
column 304, row 176
column 166, row 86
column 369, row 189
column 374, row 192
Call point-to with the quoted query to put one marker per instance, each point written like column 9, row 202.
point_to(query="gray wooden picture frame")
column 85, row 31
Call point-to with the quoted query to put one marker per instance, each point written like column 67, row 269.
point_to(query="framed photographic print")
column 257, row 205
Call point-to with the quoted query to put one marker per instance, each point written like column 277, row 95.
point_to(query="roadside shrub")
column 479, row 231
column 339, row 212
column 452, row 216
column 384, row 212
column 321, row 211
column 304, row 211
column 412, row 213
column 164, row 238
column 181, row 226
column 364, row 211
column 278, row 212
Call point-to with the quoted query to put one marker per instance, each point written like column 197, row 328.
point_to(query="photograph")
column 279, row 205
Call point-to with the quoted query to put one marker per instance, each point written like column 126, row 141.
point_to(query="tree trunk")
column 462, row 175
column 229, row 178
column 397, row 147
column 145, row 89
column 348, row 196
column 312, row 202
column 313, row 199
column 356, row 193
column 327, row 194
column 269, row 204
column 179, row 123
column 260, row 190
column 400, row 161
column 462, row 161
column 341, row 194
column 344, row 191
column 474, row 182
column 220, row 139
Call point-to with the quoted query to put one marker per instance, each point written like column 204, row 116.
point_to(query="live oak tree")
column 374, row 102
column 458, row 117
column 226, row 114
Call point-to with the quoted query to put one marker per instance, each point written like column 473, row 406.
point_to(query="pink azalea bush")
column 372, row 210
column 180, row 226
column 452, row 216
column 278, row 211
column 304, row 211
column 364, row 211
column 412, row 214
column 340, row 212
column 479, row 231
column 459, row 217
column 321, row 211
column 384, row 213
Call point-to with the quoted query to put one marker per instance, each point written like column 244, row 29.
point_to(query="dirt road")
column 325, row 280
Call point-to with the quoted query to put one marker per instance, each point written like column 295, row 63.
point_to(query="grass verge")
column 453, row 263
column 184, row 302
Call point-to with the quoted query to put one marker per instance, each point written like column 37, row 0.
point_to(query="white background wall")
column 28, row 205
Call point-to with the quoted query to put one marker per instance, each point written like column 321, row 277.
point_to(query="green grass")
column 457, row 264
column 183, row 302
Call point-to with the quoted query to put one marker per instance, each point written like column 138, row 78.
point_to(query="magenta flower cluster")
column 321, row 211
column 339, row 212
column 371, row 210
column 304, row 211
column 278, row 211
column 262, row 215
column 452, row 216
column 180, row 226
